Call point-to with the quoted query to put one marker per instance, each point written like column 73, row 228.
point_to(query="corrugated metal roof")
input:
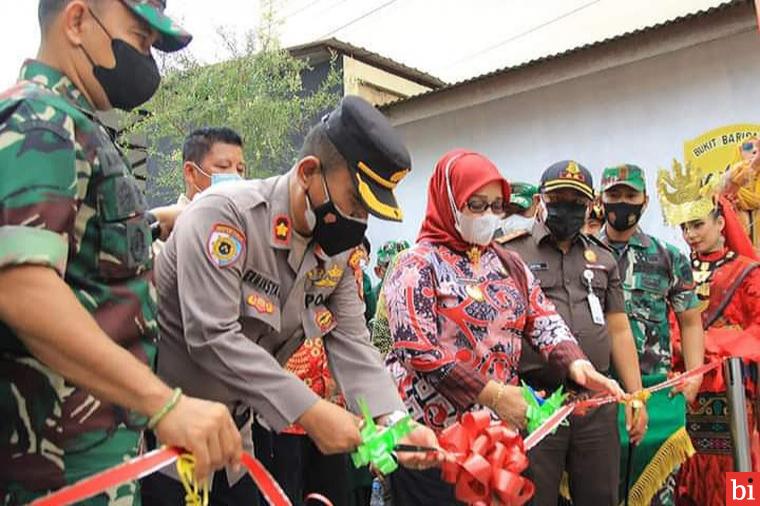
column 586, row 47
column 371, row 58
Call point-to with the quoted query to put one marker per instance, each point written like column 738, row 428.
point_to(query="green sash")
column 665, row 446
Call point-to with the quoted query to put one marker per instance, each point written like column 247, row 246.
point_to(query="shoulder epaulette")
column 512, row 236
column 595, row 240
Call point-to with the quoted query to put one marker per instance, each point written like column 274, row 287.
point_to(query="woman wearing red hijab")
column 459, row 308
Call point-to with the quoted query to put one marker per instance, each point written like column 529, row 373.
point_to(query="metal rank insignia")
column 590, row 256
column 475, row 293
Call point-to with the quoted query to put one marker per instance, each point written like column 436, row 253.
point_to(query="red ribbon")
column 150, row 463
column 595, row 402
column 485, row 462
column 97, row 483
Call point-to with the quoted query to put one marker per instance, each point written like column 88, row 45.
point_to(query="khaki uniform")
column 239, row 291
column 588, row 448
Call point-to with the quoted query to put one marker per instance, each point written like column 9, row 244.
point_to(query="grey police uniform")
column 238, row 292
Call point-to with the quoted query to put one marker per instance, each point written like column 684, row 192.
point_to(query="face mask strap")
column 199, row 169
column 330, row 200
column 103, row 27
column 97, row 20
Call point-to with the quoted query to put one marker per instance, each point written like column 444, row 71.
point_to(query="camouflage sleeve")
column 38, row 184
column 615, row 299
column 681, row 294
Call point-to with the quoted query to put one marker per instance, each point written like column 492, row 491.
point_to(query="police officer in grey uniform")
column 253, row 268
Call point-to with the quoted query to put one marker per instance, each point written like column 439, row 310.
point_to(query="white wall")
column 639, row 113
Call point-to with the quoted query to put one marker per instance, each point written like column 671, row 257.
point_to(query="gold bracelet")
column 497, row 397
column 170, row 404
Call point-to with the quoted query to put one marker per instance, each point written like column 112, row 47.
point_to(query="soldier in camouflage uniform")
column 657, row 278
column 77, row 302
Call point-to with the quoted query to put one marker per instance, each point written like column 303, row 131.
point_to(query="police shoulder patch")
column 225, row 244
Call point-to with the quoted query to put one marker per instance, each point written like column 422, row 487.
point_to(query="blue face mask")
column 225, row 178
column 216, row 178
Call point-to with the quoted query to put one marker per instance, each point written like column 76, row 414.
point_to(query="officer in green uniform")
column 77, row 304
column 656, row 278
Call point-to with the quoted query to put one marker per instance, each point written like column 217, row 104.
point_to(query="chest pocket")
column 260, row 307
column 125, row 236
column 549, row 279
column 646, row 299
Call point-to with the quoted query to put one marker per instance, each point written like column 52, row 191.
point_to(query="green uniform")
column 68, row 201
column 656, row 277
column 370, row 297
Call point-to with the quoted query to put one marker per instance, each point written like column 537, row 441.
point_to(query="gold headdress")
column 686, row 193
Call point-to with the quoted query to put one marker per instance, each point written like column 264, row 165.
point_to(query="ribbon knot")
column 486, row 462
column 196, row 494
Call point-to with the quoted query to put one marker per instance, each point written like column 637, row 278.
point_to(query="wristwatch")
column 155, row 226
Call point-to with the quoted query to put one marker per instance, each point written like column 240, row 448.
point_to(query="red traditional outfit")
column 728, row 283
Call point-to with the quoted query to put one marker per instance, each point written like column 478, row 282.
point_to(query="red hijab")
column 468, row 172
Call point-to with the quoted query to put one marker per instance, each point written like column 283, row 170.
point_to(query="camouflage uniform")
column 656, row 277
column 68, row 201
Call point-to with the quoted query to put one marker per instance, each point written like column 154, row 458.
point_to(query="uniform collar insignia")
column 279, row 213
column 281, row 229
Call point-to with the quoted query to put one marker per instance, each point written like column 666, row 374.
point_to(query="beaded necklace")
column 704, row 266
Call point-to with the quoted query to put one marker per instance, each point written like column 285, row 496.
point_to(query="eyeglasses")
column 479, row 205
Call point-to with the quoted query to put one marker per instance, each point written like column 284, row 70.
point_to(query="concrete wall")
column 640, row 113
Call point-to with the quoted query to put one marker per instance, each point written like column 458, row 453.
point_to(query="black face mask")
column 332, row 231
column 565, row 219
column 132, row 81
column 626, row 215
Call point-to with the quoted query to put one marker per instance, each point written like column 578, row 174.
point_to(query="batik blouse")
column 458, row 320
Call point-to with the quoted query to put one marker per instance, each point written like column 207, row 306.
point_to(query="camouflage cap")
column 625, row 175
column 172, row 37
column 522, row 194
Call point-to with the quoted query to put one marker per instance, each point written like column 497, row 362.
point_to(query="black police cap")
column 374, row 151
column 568, row 174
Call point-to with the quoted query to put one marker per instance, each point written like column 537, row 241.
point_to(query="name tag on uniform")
column 538, row 266
column 597, row 314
